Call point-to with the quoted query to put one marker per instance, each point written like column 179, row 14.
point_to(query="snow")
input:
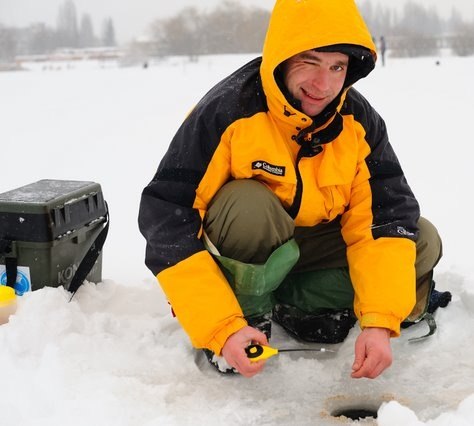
column 115, row 356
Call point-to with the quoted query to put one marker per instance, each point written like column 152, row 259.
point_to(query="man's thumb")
column 359, row 357
column 356, row 365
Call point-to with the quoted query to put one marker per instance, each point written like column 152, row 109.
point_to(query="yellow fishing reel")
column 257, row 352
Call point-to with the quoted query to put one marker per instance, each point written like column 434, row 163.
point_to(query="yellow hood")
column 299, row 25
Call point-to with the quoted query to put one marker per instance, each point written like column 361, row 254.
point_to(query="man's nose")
column 321, row 80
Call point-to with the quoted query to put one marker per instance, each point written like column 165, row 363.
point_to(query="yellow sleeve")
column 202, row 300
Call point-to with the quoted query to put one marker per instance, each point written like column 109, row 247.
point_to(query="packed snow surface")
column 115, row 356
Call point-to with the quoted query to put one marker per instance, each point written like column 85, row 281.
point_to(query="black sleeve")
column 394, row 207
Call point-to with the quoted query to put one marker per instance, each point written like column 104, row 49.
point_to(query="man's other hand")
column 373, row 353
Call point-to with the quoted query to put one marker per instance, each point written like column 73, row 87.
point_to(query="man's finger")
column 359, row 355
column 371, row 369
column 248, row 369
column 367, row 366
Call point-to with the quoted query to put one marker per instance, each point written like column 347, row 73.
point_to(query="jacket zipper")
column 311, row 148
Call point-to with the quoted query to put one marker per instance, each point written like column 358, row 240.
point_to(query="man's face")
column 315, row 78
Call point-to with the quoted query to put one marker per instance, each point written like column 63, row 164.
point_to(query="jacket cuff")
column 373, row 319
column 216, row 344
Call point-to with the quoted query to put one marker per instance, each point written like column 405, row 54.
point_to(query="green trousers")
column 268, row 260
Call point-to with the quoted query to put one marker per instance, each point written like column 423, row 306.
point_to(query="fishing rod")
column 258, row 352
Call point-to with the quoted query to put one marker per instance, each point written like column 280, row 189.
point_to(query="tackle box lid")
column 46, row 209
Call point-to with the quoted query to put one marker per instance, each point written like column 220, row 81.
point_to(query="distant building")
column 73, row 55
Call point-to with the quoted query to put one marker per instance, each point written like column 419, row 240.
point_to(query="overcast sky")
column 132, row 17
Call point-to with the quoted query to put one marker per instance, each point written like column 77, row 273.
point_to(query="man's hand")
column 234, row 350
column 373, row 353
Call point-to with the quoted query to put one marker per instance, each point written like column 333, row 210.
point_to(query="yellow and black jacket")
column 339, row 163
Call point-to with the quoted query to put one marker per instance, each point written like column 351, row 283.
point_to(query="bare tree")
column 455, row 21
column 67, row 32
column 230, row 28
column 461, row 40
column 181, row 34
column 380, row 19
column 86, row 32
column 108, row 33
column 418, row 32
column 40, row 39
column 8, row 44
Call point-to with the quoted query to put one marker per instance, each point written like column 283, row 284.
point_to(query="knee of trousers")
column 428, row 247
column 246, row 214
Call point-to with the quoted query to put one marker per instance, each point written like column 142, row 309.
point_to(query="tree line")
column 229, row 28
column 233, row 28
column 419, row 31
column 70, row 32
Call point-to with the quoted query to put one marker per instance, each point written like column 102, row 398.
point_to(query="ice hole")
column 362, row 407
column 356, row 413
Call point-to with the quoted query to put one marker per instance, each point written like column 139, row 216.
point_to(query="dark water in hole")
column 355, row 413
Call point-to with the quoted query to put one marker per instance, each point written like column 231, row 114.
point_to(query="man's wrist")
column 381, row 330
column 377, row 320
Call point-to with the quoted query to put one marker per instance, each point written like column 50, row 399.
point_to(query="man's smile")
column 313, row 96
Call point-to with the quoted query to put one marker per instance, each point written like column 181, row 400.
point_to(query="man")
column 383, row 49
column 280, row 197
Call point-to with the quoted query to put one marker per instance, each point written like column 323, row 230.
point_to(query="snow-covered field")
column 115, row 356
